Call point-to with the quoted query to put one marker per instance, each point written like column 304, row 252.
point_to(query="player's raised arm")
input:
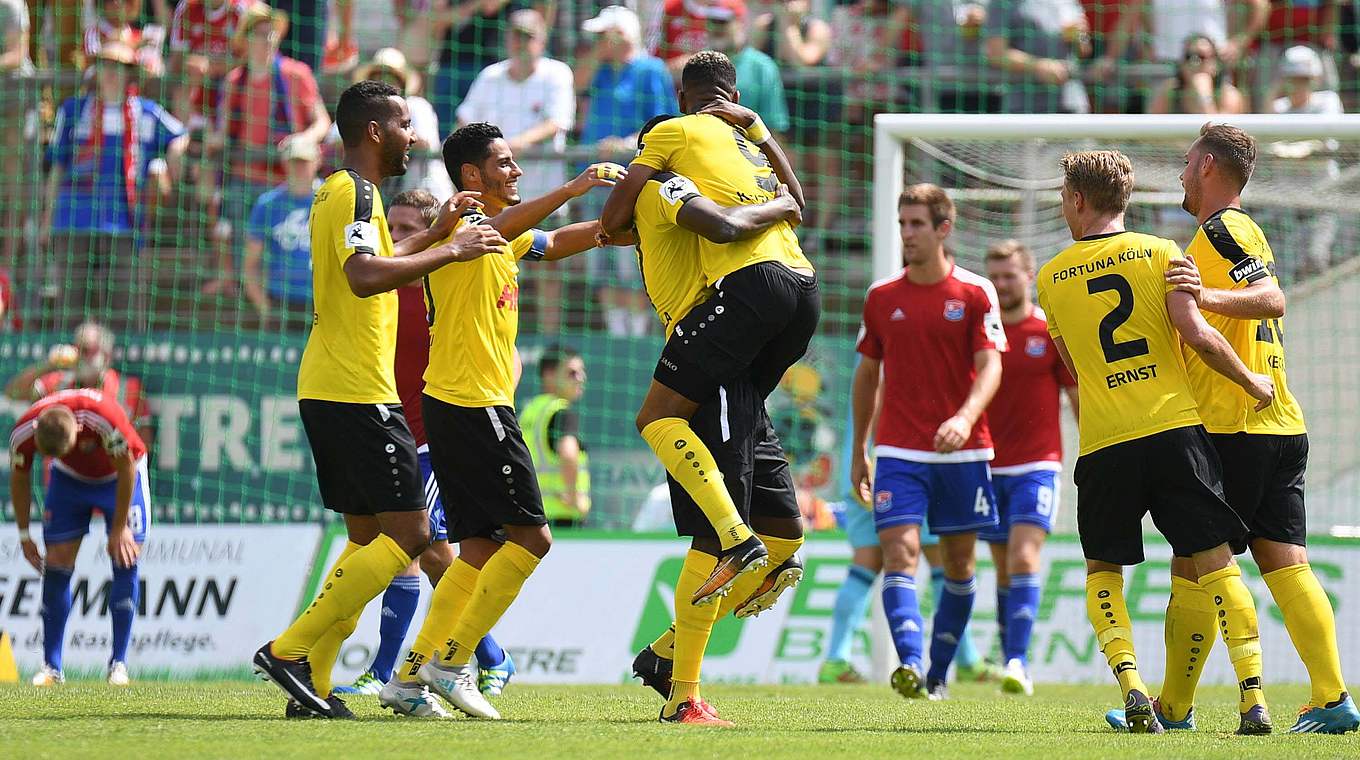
column 519, row 218
column 1214, row 349
column 571, row 240
column 744, row 118
column 369, row 275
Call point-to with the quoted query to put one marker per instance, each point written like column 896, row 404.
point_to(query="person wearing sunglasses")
column 1199, row 85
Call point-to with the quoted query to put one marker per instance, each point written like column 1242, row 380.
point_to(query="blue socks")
column 967, row 655
column 951, row 620
column 56, row 607
column 852, row 604
column 399, row 604
column 122, row 609
column 904, row 616
column 488, row 652
column 1003, row 595
column 1020, row 612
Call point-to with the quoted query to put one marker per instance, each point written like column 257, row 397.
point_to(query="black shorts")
column 738, row 433
column 365, row 457
column 756, row 324
column 1263, row 480
column 485, row 474
column 1175, row 475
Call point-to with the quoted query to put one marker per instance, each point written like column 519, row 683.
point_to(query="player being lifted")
column 670, row 217
column 1230, row 271
column 412, row 212
column 98, row 463
column 932, row 440
column 493, row 506
column 366, row 463
column 1144, row 449
column 757, row 323
column 1028, row 439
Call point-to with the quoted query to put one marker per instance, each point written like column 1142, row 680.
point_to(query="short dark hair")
column 469, row 144
column 651, row 124
column 554, row 356
column 709, row 67
column 361, row 103
column 1232, row 148
column 420, row 200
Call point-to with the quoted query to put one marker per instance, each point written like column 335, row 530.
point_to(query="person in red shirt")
column 200, row 53
column 117, row 20
column 1028, row 440
column 684, row 27
column 98, row 463
column 266, row 102
column 930, row 341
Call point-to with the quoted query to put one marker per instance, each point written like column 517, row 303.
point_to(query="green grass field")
column 244, row 720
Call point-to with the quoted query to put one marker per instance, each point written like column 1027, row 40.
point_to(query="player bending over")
column 98, row 463
column 1028, row 439
column 1230, row 271
column 494, row 509
column 1115, row 321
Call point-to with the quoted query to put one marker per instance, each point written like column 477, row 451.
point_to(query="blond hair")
column 936, row 201
column 1232, row 148
column 1012, row 249
column 55, row 431
column 1103, row 177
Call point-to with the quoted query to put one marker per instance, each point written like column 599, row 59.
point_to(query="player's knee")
column 900, row 556
column 536, row 539
column 1275, row 555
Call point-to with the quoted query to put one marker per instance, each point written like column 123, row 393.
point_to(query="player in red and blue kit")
column 98, row 463
column 934, row 335
column 1028, row 439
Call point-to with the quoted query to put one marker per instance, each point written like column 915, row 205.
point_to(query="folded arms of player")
column 1261, row 299
column 1214, row 349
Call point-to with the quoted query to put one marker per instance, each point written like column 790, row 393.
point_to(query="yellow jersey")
column 473, row 309
column 731, row 171
column 667, row 254
column 350, row 349
column 1105, row 297
column 1231, row 252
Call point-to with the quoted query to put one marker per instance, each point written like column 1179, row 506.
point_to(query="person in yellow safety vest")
column 551, row 429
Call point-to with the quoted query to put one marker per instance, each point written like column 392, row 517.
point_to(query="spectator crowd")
column 160, row 158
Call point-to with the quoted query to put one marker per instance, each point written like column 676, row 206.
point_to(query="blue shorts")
column 71, row 501
column 957, row 496
column 1029, row 498
column 859, row 526
column 439, row 529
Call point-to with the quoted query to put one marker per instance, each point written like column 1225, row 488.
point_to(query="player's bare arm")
column 571, row 240
column 725, row 224
column 1262, row 299
column 21, row 493
column 617, row 216
column 444, row 223
column 122, row 546
column 515, row 220
column 740, row 116
column 955, row 431
column 864, row 401
column 1214, row 349
column 370, row 275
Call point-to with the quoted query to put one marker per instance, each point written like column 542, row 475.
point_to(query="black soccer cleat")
column 1255, row 722
column 746, row 557
column 295, row 711
column 339, row 710
column 1139, row 715
column 294, row 677
column 936, row 689
column 654, row 670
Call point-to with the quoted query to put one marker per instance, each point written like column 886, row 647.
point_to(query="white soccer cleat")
column 411, row 700
column 118, row 674
column 48, row 677
column 458, row 686
column 1016, row 679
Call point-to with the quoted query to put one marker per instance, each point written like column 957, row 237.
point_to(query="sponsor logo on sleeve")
column 361, row 235
column 678, row 188
column 1249, row 269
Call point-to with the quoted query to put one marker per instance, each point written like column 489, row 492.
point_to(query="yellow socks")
column 1312, row 627
column 497, row 586
column 1189, row 636
column 1109, row 615
column 349, row 586
column 693, row 625
column 690, row 462
column 327, row 648
column 664, row 646
column 1237, row 625
column 446, row 605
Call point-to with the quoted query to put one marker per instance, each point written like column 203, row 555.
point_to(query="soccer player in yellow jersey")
column 671, row 217
column 1115, row 321
column 1230, row 271
column 492, row 504
column 763, row 311
column 347, row 398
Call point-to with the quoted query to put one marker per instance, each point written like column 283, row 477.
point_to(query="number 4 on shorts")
column 981, row 505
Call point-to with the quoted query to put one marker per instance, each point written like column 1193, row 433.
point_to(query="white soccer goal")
column 1002, row 172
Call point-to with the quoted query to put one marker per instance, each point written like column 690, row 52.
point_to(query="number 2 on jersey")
column 1116, row 350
